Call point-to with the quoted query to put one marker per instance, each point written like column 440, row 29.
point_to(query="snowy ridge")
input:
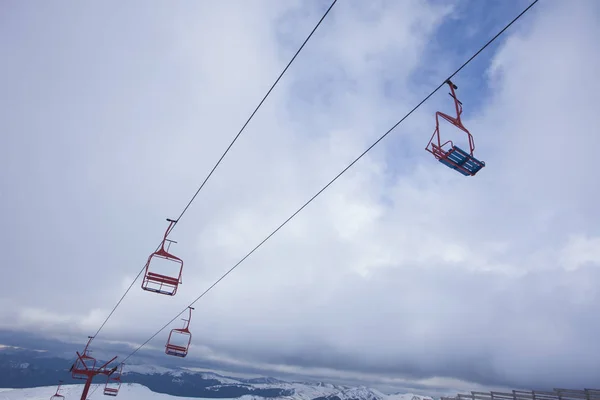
column 217, row 377
column 151, row 381
column 360, row 392
column 407, row 396
column 6, row 347
column 304, row 390
column 300, row 390
column 150, row 370
column 134, row 391
column 153, row 369
column 365, row 393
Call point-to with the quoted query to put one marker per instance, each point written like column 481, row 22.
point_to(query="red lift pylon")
column 85, row 368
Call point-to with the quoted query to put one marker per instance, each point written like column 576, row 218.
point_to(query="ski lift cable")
column 334, row 179
column 94, row 391
column 222, row 157
column 255, row 110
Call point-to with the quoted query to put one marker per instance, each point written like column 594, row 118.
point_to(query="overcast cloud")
column 403, row 273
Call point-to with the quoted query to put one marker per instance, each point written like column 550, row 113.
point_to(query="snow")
column 153, row 369
column 304, row 391
column 73, row 392
column 222, row 379
column 134, row 391
column 5, row 347
column 407, row 396
column 308, row 391
column 128, row 391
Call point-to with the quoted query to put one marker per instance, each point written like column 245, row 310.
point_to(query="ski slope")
column 132, row 391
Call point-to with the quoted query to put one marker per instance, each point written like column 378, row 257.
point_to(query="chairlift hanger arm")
column 108, row 362
column 454, row 97
column 85, row 350
column 457, row 103
column 189, row 318
column 172, row 223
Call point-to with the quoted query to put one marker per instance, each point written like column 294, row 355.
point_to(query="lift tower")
column 85, row 368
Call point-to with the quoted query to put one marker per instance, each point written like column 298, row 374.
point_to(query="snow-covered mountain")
column 267, row 387
column 134, row 391
column 30, row 370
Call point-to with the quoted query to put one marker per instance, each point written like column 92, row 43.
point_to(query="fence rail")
column 557, row 394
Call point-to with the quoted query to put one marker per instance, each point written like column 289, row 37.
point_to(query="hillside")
column 134, row 391
column 30, row 369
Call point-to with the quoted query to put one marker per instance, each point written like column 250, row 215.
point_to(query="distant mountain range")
column 134, row 391
column 29, row 369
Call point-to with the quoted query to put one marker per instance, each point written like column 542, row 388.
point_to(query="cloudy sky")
column 403, row 273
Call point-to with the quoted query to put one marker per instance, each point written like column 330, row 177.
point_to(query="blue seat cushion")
column 457, row 157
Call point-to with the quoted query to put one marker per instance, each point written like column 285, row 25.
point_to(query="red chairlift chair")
column 113, row 382
column 455, row 157
column 160, row 283
column 178, row 350
column 83, row 363
column 58, row 396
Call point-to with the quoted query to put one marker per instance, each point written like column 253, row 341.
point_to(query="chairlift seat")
column 111, row 392
column 113, row 383
column 166, row 284
column 159, row 278
column 159, row 283
column 177, row 351
column 461, row 161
